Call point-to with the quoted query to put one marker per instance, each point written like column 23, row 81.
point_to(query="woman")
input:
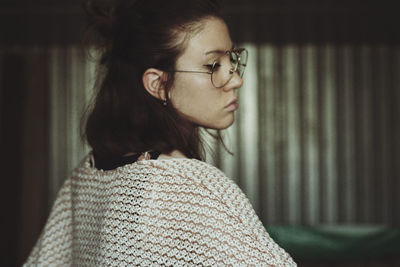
column 143, row 197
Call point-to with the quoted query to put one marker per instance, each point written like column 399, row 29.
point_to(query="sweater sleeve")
column 216, row 223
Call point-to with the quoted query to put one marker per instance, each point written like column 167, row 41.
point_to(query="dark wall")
column 315, row 21
column 46, row 21
column 24, row 149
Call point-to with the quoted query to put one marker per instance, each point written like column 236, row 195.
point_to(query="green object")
column 337, row 243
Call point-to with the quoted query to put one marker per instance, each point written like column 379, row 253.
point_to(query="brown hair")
column 135, row 36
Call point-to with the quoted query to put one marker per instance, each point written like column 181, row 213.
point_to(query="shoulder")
column 190, row 169
column 207, row 178
column 167, row 170
column 169, row 178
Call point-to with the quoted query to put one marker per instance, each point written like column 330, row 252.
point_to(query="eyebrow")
column 218, row 51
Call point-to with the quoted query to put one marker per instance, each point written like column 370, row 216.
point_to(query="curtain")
column 71, row 83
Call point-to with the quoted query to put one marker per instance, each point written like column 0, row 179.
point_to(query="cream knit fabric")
column 172, row 212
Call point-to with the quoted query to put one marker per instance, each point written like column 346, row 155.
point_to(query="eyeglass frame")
column 237, row 51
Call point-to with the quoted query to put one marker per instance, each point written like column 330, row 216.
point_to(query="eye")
column 213, row 67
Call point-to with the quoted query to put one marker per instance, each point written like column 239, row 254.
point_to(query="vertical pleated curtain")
column 316, row 137
column 71, row 82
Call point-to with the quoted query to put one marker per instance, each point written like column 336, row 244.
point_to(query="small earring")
column 165, row 102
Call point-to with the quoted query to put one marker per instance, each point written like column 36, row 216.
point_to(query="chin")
column 223, row 124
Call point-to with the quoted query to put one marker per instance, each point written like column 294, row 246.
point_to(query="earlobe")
column 152, row 82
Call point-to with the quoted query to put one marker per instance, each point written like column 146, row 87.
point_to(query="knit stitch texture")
column 169, row 212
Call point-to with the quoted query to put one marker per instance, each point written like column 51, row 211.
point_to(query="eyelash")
column 215, row 65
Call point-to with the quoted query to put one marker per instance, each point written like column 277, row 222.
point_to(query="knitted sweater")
column 169, row 212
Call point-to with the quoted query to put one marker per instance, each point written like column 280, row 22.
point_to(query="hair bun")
column 101, row 18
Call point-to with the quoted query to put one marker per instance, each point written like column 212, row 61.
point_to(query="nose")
column 235, row 83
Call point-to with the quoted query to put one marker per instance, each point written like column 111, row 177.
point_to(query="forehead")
column 212, row 39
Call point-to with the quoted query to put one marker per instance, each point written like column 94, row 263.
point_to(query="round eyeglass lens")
column 224, row 68
column 221, row 72
column 242, row 61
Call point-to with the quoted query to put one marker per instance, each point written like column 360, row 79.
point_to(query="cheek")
column 201, row 103
column 191, row 96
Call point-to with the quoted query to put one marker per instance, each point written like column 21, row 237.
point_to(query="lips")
column 233, row 105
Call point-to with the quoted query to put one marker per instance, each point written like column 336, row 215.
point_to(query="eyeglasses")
column 223, row 69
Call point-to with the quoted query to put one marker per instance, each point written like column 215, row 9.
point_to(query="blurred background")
column 316, row 141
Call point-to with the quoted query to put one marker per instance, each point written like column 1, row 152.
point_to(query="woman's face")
column 193, row 94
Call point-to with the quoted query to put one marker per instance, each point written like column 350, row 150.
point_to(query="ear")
column 152, row 81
